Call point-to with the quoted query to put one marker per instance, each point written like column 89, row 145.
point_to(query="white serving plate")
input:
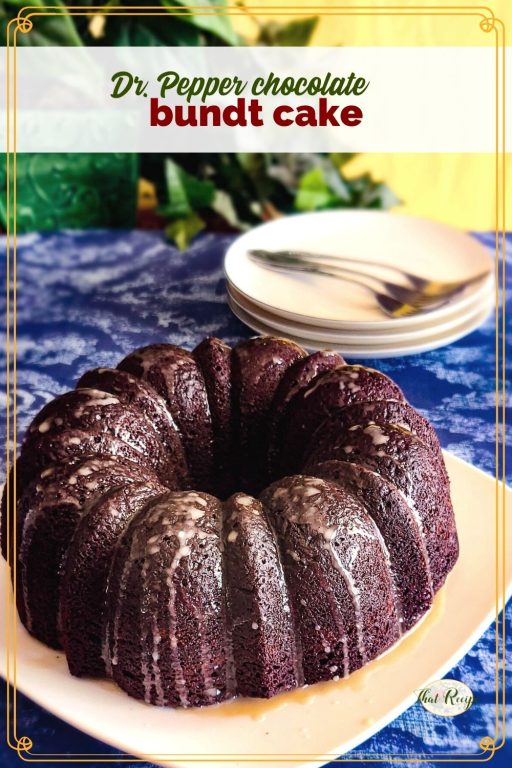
column 427, row 248
column 368, row 351
column 374, row 338
column 315, row 724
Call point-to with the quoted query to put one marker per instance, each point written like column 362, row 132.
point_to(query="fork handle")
column 375, row 284
column 389, row 304
column 415, row 280
column 335, row 260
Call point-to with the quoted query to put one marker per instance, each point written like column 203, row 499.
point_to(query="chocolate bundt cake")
column 227, row 522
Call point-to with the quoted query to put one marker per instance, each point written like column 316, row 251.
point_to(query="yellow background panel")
column 456, row 188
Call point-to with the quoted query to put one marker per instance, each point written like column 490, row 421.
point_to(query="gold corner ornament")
column 23, row 24
column 24, row 744
column 488, row 24
column 488, row 744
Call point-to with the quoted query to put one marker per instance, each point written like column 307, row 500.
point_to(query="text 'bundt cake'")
column 227, row 522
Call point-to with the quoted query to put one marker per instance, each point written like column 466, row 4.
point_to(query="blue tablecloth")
column 86, row 298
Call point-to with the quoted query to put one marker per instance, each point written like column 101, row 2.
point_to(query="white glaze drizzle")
column 185, row 506
column 95, row 397
column 337, row 375
column 376, row 433
column 111, row 657
column 354, row 593
column 294, row 632
column 310, row 516
column 244, row 500
column 312, row 374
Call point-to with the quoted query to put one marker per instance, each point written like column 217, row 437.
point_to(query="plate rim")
column 363, row 352
column 328, row 335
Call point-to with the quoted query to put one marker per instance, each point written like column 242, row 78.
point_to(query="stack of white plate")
column 319, row 311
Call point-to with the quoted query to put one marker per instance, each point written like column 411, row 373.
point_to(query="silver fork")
column 394, row 299
column 425, row 285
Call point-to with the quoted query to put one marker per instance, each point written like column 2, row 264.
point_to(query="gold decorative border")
column 488, row 23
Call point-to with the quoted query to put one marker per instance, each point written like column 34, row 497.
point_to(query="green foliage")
column 325, row 187
column 185, row 193
column 47, row 30
column 183, row 29
column 226, row 189
column 182, row 231
column 245, row 189
column 215, row 25
column 296, row 32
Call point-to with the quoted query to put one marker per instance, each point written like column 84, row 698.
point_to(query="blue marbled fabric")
column 87, row 298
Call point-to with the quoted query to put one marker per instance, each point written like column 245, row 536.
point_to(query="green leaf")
column 185, row 193
column 313, row 193
column 229, row 173
column 217, row 25
column 46, row 30
column 149, row 31
column 378, row 195
column 297, row 32
column 338, row 185
column 223, row 205
column 183, row 230
column 339, row 159
column 178, row 30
